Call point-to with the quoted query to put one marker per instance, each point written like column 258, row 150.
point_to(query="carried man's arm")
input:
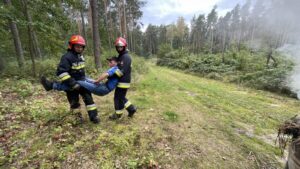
column 101, row 77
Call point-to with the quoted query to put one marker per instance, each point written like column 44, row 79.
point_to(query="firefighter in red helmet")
column 124, row 64
column 71, row 69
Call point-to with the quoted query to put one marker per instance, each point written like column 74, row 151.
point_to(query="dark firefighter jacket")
column 71, row 68
column 124, row 64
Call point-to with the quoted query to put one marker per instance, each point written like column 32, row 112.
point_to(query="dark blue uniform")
column 120, row 100
column 69, row 70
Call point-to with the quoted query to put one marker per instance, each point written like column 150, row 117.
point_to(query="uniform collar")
column 122, row 53
column 74, row 53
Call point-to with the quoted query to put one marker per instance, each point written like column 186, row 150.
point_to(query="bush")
column 45, row 67
column 241, row 67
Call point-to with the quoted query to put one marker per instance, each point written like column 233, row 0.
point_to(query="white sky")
column 165, row 12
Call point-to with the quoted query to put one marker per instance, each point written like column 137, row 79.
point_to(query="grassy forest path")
column 183, row 121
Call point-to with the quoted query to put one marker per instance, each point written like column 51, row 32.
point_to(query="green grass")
column 171, row 116
column 183, row 121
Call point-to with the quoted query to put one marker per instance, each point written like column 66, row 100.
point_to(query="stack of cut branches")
column 289, row 131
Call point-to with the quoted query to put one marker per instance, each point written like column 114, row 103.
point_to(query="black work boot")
column 93, row 116
column 95, row 120
column 48, row 85
column 115, row 116
column 131, row 110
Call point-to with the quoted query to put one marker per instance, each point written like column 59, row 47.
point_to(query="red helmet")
column 120, row 42
column 76, row 39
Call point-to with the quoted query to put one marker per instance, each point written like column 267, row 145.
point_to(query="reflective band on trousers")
column 119, row 73
column 91, row 107
column 64, row 76
column 127, row 104
column 119, row 112
column 123, row 85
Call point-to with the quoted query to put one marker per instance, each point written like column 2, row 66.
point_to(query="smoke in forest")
column 281, row 26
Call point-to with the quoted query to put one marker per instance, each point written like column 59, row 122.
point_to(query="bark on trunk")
column 33, row 49
column 83, row 23
column 124, row 20
column 106, row 24
column 1, row 64
column 96, row 36
column 16, row 38
column 31, row 32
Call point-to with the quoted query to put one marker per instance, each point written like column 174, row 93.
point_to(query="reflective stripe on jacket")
column 71, row 68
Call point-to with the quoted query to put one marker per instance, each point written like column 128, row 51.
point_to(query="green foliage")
column 171, row 116
column 23, row 87
column 40, row 115
column 45, row 67
column 241, row 67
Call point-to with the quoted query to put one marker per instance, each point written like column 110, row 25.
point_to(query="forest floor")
column 183, row 121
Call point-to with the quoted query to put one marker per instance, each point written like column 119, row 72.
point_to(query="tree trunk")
column 36, row 44
column 31, row 32
column 252, row 33
column 131, row 41
column 223, row 46
column 83, row 22
column 106, row 24
column 110, row 28
column 119, row 13
column 33, row 48
column 212, row 41
column 32, row 54
column 270, row 57
column 16, row 37
column 96, row 36
column 130, row 30
column 1, row 64
column 124, row 20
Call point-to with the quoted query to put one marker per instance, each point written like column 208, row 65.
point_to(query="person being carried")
column 97, row 87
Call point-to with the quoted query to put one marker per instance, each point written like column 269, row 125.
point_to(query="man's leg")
column 60, row 86
column 98, row 89
column 131, row 109
column 118, row 103
column 121, row 102
column 90, row 105
column 49, row 85
column 73, row 98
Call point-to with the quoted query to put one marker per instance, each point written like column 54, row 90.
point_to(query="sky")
column 157, row 12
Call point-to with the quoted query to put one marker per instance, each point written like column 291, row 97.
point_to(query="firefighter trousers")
column 120, row 100
column 73, row 98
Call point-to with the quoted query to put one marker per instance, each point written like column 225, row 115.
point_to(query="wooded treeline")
column 36, row 30
column 256, row 25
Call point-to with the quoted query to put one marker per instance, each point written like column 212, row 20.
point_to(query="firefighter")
column 124, row 64
column 70, row 69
